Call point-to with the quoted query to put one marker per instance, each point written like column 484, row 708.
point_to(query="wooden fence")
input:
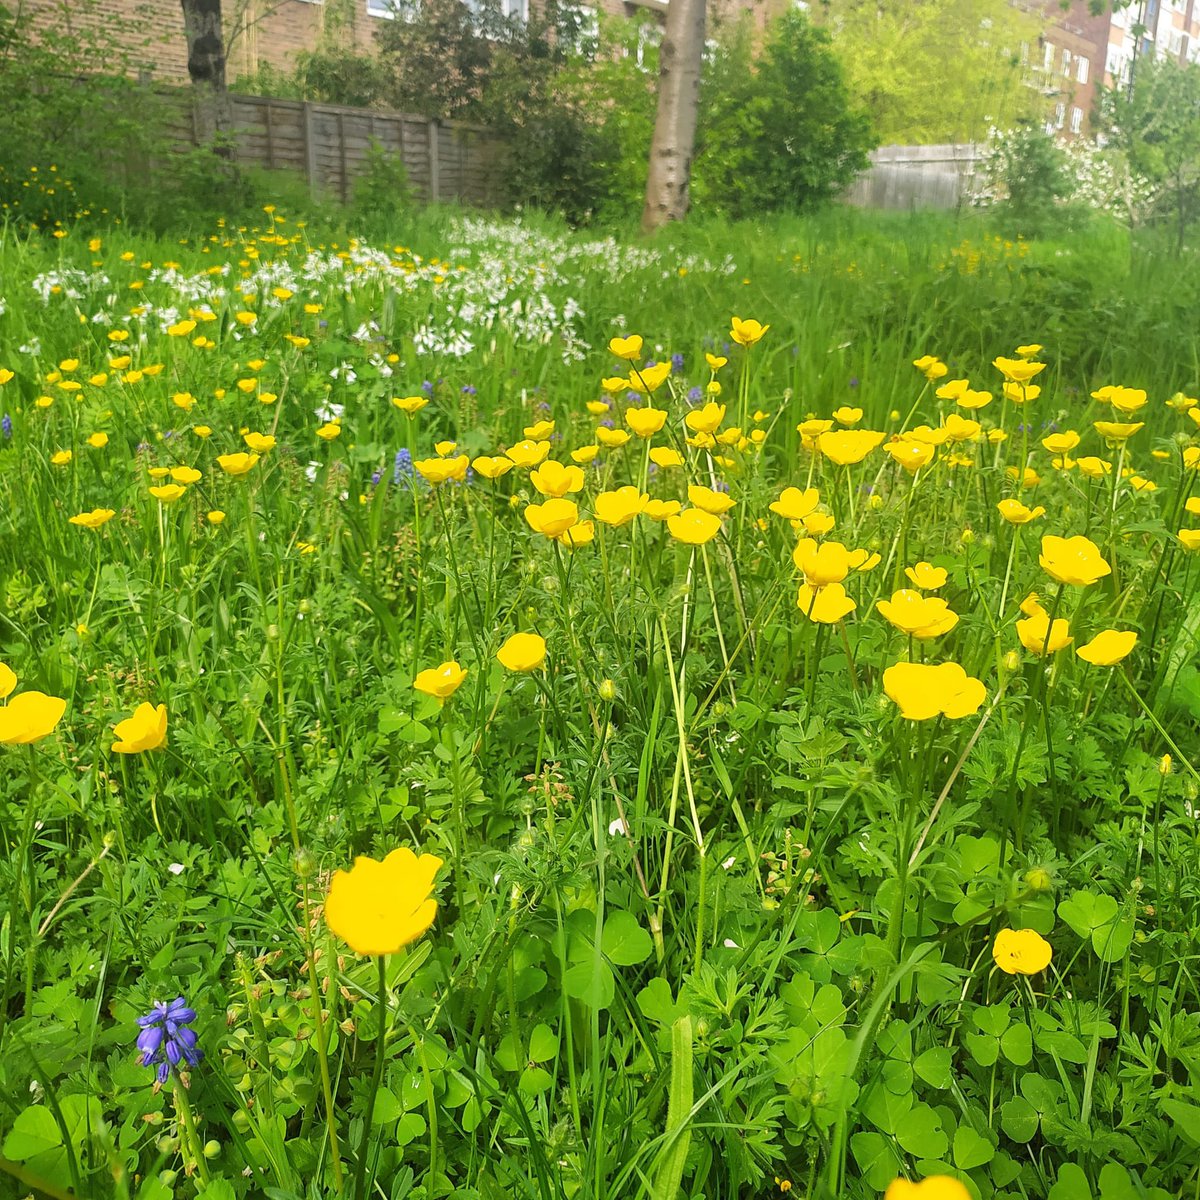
column 906, row 177
column 330, row 144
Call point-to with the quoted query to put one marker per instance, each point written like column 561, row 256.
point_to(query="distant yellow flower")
column 715, row 361
column 529, row 453
column 931, row 367
column 1025, row 478
column 924, row 690
column 921, row 617
column 960, row 429
column 168, row 493
column 621, row 506
column 381, row 907
column 1016, row 513
column 540, row 431
column 747, row 332
column 93, row 519
column 410, row 404
column 1021, row 952
column 216, row 516
column 823, row 563
column 971, row 399
column 442, row 681
column 202, row 431
column 522, row 652
column 586, row 454
column 260, row 443
column 629, row 348
column 1061, row 443
column 1021, row 393
column 612, row 438
column 492, row 468
column 826, row 605
column 614, row 384
column 582, row 533
column 1123, row 399
column 952, row 389
column 1030, row 351
column 186, row 475
column 237, row 464
column 1017, row 370
column 554, row 479
column 1108, row 647
column 705, row 419
column 665, row 457
column 6, row 376
column 694, row 526
column 1041, row 638
column 1092, row 467
column 61, row 458
column 1117, row 431
column 181, row 328
column 329, row 431
column 650, row 379
column 926, row 576
column 442, row 470
column 911, row 455
column 794, row 504
column 848, row 446
column 553, row 518
column 710, row 499
column 848, row 416
column 1074, row 560
column 645, row 422
column 660, row 510
column 146, row 729
column 30, row 717
column 1189, row 538
column 245, row 318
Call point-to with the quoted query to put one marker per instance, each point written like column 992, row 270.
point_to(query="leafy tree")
column 780, row 130
column 1156, row 124
column 934, row 70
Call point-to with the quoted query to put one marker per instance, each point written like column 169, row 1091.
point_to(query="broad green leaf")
column 1018, row 1119
column 1185, row 1118
column 1017, row 1045
column 543, row 1044
column 623, row 940
column 921, row 1134
column 876, row 1158
column 1072, row 1184
column 971, row 1149
column 34, row 1132
column 934, row 1067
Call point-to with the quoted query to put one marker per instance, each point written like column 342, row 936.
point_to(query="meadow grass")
column 792, row 848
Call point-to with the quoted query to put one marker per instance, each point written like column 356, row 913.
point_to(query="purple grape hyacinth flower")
column 166, row 1039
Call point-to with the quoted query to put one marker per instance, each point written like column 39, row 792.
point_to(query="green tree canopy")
column 934, row 70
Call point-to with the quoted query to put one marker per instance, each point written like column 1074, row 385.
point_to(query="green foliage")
column 777, row 130
column 1028, row 172
column 934, row 70
column 381, row 190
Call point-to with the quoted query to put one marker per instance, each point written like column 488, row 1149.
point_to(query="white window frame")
column 1060, row 115
column 1048, row 57
column 1076, row 118
column 1083, row 67
column 1066, row 62
column 390, row 10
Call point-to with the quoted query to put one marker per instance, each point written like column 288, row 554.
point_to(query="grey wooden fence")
column 906, row 177
column 330, row 144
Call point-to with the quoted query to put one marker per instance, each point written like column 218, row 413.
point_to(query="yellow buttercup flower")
column 587, row 454
column 848, row 446
column 921, row 617
column 29, row 717
column 706, row 418
column 8, row 680
column 61, row 458
column 848, row 416
column 1092, row 467
column 621, row 506
column 932, row 1187
column 1074, row 560
column 709, row 499
column 146, row 729
column 931, row 367
column 1189, row 538
column 1021, row 951
column 1016, row 513
column 911, row 455
column 926, row 576
column 186, row 475
column 236, row 464
column 1117, row 431
column 1061, row 443
column 794, row 504
column 952, row 389
column 660, row 510
column 1108, row 647
column 715, row 361
column 650, row 379
column 645, row 422
column 629, row 348
column 492, row 468
column 924, row 690
column 93, row 519
column 694, row 526
column 1017, row 370
column 1123, row 399
column 540, row 431
column 168, row 493
column 215, row 516
column 522, row 652
column 825, row 605
column 580, row 534
column 554, row 479
column 380, row 907
column 442, row 470
column 823, row 563
column 410, row 404
column 259, row 443
column 971, row 399
column 747, row 332
column 329, row 431
column 1021, row 393
column 665, row 457
column 1041, row 638
column 529, row 453
column 553, row 518
column 960, row 429
column 442, row 681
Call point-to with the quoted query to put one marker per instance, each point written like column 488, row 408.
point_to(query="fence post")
column 310, row 150
column 435, row 143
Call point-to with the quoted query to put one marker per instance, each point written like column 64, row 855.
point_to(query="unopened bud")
column 608, row 691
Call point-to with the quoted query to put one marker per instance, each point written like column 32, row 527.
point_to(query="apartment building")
column 1080, row 51
column 258, row 33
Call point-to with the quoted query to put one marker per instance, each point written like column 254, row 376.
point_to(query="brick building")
column 1080, row 51
column 262, row 33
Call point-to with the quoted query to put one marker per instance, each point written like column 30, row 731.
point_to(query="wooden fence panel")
column 906, row 177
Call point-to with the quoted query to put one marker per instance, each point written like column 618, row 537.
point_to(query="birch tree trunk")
column 206, row 68
column 674, row 143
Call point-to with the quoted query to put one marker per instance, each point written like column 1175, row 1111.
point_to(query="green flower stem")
column 364, row 1141
column 1166, row 737
column 187, row 1125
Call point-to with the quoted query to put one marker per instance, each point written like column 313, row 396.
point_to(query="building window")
column 1060, row 115
column 406, row 10
column 1076, row 118
column 1082, row 66
column 1048, row 59
column 517, row 10
column 1066, row 62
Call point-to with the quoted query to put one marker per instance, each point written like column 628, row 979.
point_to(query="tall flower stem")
column 364, row 1141
column 187, row 1124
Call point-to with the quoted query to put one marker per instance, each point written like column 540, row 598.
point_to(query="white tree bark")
column 674, row 143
